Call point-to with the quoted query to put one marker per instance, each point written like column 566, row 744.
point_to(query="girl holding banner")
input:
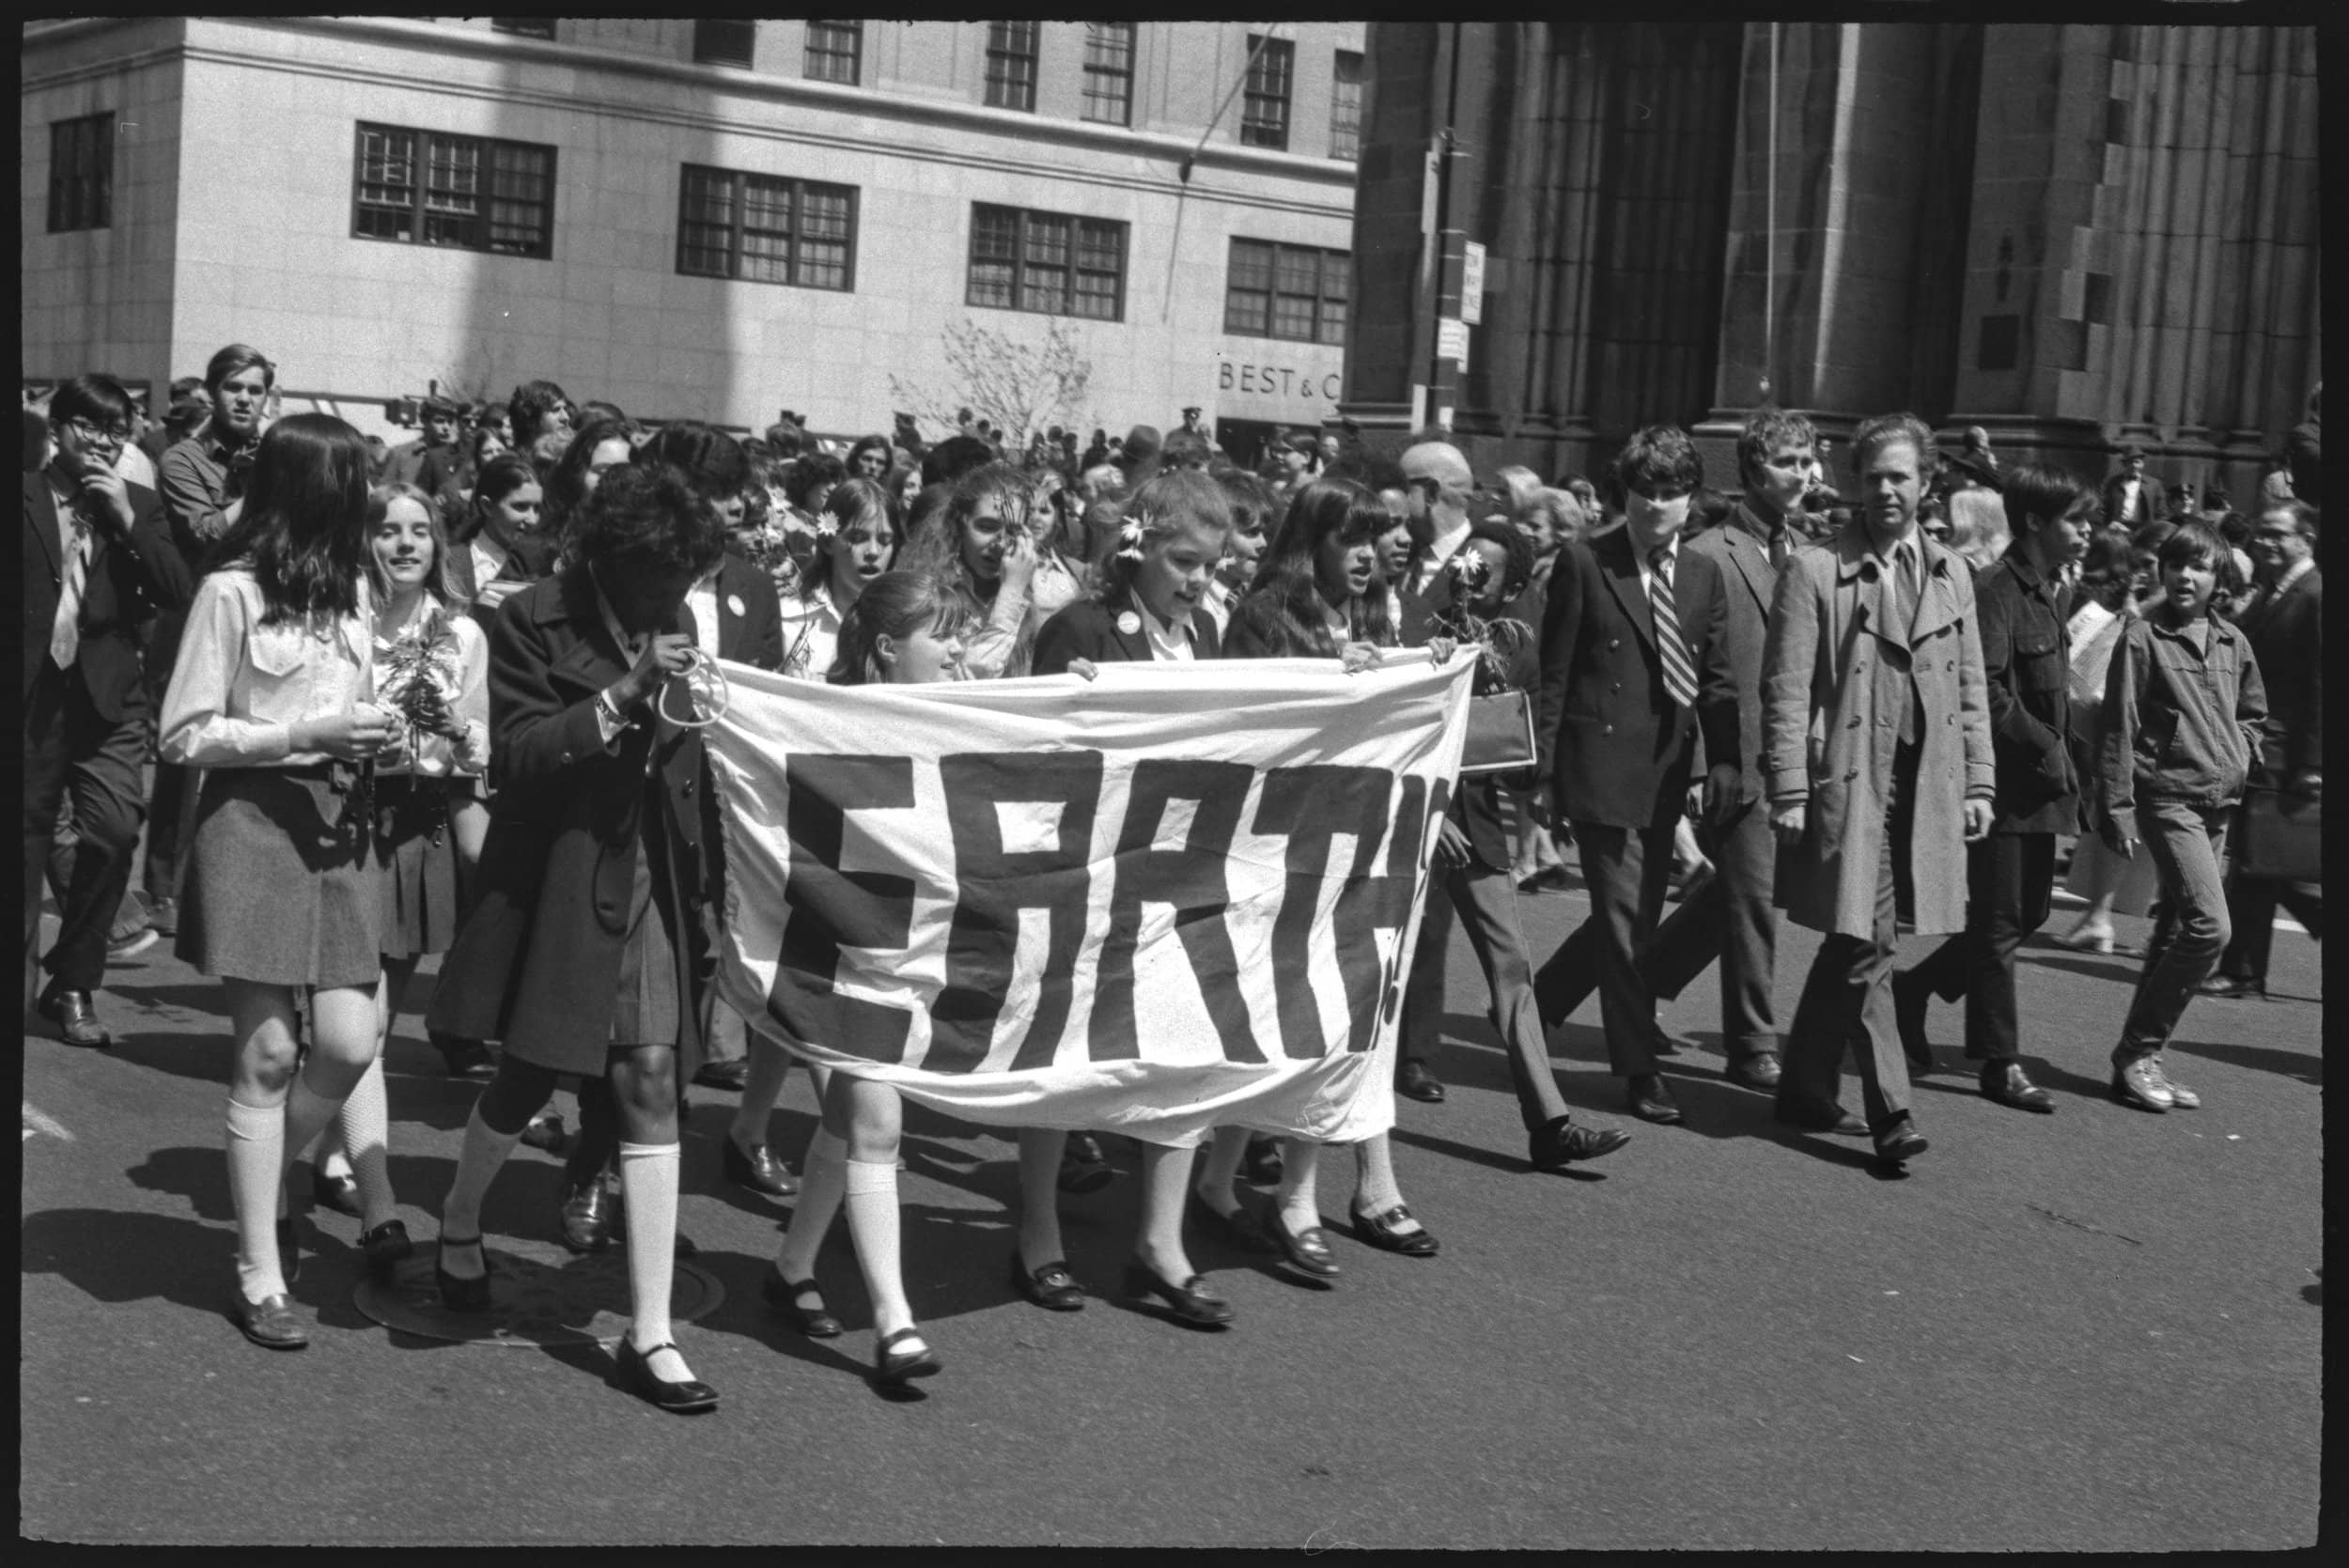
column 980, row 546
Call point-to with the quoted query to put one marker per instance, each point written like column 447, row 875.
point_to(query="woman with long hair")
column 980, row 544
column 270, row 697
column 601, row 447
column 1978, row 526
column 857, row 531
column 905, row 628
column 871, row 458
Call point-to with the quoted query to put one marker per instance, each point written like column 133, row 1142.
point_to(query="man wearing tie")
column 1634, row 661
column 1440, row 481
column 1875, row 743
column 97, row 559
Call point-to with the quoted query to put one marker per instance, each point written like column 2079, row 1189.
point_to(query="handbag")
column 1500, row 734
column 2283, row 837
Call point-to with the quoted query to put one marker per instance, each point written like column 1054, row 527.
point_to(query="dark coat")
column 2026, row 669
column 527, row 560
column 1748, row 582
column 2287, row 633
column 1084, row 630
column 127, row 578
column 754, row 635
column 533, row 961
column 1618, row 750
column 1476, row 808
column 2148, row 508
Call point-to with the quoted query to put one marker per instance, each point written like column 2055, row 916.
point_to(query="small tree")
column 1022, row 389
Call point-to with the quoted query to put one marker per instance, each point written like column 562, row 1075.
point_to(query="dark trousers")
column 1848, row 997
column 2009, row 885
column 1626, row 872
column 71, row 750
column 1487, row 905
column 171, row 818
column 2252, row 911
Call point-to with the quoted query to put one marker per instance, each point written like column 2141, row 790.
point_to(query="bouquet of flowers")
column 1500, row 637
column 767, row 548
column 419, row 676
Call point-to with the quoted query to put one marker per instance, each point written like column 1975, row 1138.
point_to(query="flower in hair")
column 1468, row 570
column 1129, row 537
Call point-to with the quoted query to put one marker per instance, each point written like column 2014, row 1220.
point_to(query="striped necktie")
column 1680, row 676
column 65, row 636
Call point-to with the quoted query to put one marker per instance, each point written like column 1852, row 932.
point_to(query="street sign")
column 1452, row 341
column 1472, row 284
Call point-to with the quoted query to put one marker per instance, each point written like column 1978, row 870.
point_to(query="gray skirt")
column 283, row 885
column 418, row 850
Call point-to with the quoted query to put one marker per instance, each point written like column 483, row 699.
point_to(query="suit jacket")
column 2148, row 508
column 2027, row 679
column 2287, row 633
column 127, row 578
column 528, row 560
column 1748, row 582
column 753, row 635
column 1839, row 674
column 1476, row 797
column 1084, row 630
column 1618, row 750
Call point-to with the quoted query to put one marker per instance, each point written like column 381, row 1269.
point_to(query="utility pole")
column 1439, row 337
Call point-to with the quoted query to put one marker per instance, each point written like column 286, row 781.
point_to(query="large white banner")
column 1175, row 897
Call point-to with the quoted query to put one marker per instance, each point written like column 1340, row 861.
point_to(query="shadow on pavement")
column 1509, row 1164
column 2295, row 1065
column 2120, row 970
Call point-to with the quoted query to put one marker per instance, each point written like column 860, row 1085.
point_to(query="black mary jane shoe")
column 462, row 1295
column 1379, row 1230
column 782, row 1296
column 759, row 1171
column 896, row 1368
column 1191, row 1301
column 386, row 1247
column 271, row 1323
column 1049, row 1285
column 339, row 1193
column 1308, row 1248
column 683, row 1398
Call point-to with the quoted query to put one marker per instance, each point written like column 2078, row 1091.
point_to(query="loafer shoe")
column 1564, row 1141
column 1412, row 1079
column 1908, row 1016
column 386, row 1247
column 1308, row 1248
column 1759, row 1071
column 1048, row 1285
column 583, row 1220
column 1651, row 1099
column 731, row 1074
column 1381, row 1231
column 1900, row 1142
column 273, row 1323
column 758, row 1169
column 2007, row 1083
column 76, row 1016
column 2139, row 1083
column 1819, row 1118
column 1192, row 1302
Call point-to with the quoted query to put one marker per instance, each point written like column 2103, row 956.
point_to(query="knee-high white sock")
column 1374, row 1188
column 307, row 1114
column 484, row 1154
column 1298, row 1202
column 872, row 1204
column 1165, row 1183
column 823, row 1177
column 366, row 1124
column 1220, row 1168
column 648, row 1174
column 257, row 1159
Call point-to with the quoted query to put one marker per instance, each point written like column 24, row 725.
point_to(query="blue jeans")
column 2189, row 845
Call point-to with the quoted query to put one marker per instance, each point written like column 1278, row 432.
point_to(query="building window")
column 528, row 26
column 720, row 43
column 762, row 229
column 832, row 50
column 1288, row 291
column 1046, row 262
column 1264, row 121
column 1346, row 106
column 81, row 173
column 1109, row 72
column 1011, row 66
column 422, row 188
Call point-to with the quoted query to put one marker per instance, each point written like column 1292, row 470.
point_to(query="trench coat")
column 533, row 962
column 1832, row 698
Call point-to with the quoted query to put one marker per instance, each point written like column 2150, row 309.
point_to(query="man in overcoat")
column 1876, row 746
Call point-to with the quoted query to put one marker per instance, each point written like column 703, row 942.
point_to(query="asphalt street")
column 2099, row 1329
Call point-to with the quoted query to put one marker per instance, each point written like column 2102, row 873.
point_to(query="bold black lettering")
column 995, row 884
column 1310, row 805
column 1223, row 376
column 831, row 909
column 1190, row 878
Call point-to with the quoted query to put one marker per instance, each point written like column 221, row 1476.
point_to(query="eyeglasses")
column 101, row 435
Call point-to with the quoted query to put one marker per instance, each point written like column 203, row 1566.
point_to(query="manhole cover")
column 532, row 1303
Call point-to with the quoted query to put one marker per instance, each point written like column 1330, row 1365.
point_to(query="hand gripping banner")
column 1171, row 898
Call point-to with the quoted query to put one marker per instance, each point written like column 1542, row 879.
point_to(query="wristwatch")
column 610, row 709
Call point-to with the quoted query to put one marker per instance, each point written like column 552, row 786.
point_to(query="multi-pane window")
column 1109, row 72
column 472, row 192
column 763, row 229
column 81, row 173
column 834, row 51
column 1011, row 64
column 528, row 26
column 1346, row 106
column 1292, row 291
column 1264, row 119
column 1047, row 262
column 722, row 42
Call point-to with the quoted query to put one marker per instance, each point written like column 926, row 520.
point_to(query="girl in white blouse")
column 270, row 697
column 857, row 533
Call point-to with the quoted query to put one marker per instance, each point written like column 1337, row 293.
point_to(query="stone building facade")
column 2072, row 234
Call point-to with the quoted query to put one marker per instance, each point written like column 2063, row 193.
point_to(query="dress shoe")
column 1899, row 1141
column 1083, row 1166
column 1241, row 1227
column 330, row 1191
column 758, row 1170
column 1260, row 1163
column 76, row 1017
column 1308, row 1248
column 1759, row 1071
column 1382, row 1230
column 457, row 1295
column 782, row 1297
column 2234, row 988
column 1192, row 1302
column 583, row 1220
column 1819, row 1118
column 465, row 1057
column 1651, row 1099
column 731, row 1074
column 2008, row 1084
column 684, row 1397
column 386, row 1247
column 1555, row 1145
column 2139, row 1083
column 1908, row 1015
column 896, row 1367
column 271, row 1322
column 2180, row 1097
column 1412, row 1078
column 1049, row 1285
column 545, row 1131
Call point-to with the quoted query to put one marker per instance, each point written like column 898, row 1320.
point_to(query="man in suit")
column 2287, row 630
column 1635, row 661
column 1439, row 485
column 1876, row 742
column 2132, row 500
column 97, row 559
